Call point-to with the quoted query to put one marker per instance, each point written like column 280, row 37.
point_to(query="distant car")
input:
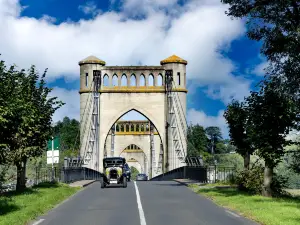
column 141, row 177
column 127, row 171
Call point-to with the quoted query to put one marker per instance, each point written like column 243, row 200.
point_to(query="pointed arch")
column 124, row 80
column 151, row 80
column 159, row 80
column 133, row 80
column 142, row 80
column 132, row 128
column 105, row 80
column 115, row 80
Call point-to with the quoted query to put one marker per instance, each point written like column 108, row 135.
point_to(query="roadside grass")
column 266, row 211
column 19, row 208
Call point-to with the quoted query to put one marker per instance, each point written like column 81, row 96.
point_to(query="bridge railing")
column 72, row 174
column 202, row 174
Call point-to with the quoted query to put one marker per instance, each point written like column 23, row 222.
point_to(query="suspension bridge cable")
column 75, row 142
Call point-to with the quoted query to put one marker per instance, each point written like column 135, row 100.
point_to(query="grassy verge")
column 20, row 208
column 266, row 211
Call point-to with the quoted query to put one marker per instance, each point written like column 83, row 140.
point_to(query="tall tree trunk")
column 247, row 161
column 268, row 176
column 246, row 167
column 21, row 175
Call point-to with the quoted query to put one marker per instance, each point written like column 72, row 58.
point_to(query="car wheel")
column 124, row 182
column 102, row 182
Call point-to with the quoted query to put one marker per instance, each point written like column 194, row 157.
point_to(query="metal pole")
column 52, row 178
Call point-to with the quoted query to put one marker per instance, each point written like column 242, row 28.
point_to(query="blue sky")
column 56, row 34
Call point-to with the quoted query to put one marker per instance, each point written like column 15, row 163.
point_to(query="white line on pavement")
column 232, row 213
column 141, row 212
column 38, row 222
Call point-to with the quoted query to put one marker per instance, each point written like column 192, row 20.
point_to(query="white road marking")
column 141, row 211
column 232, row 213
column 38, row 222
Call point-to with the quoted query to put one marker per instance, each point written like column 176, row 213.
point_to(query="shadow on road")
column 169, row 184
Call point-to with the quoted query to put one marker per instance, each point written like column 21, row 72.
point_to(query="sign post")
column 53, row 153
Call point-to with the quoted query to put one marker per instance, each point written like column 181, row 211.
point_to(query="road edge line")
column 140, row 207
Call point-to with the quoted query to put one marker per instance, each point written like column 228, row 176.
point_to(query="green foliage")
column 69, row 132
column 134, row 172
column 272, row 115
column 285, row 168
column 230, row 160
column 276, row 23
column 2, row 178
column 279, row 183
column 251, row 180
column 25, row 116
column 197, row 140
column 237, row 118
column 295, row 162
column 214, row 133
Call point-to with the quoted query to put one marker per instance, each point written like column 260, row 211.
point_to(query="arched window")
column 127, row 127
column 178, row 74
column 137, row 128
column 159, row 80
column 142, row 80
column 115, row 80
column 133, row 80
column 142, row 128
column 132, row 128
column 105, row 80
column 122, row 128
column 124, row 80
column 117, row 128
column 151, row 80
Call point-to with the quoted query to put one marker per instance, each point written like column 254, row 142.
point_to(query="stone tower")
column 140, row 88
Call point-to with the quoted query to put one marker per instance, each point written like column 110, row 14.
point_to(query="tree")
column 215, row 135
column 277, row 24
column 295, row 162
column 197, row 140
column 26, row 124
column 134, row 172
column 237, row 117
column 272, row 114
column 68, row 131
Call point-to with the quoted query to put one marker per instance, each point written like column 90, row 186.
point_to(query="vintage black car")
column 128, row 172
column 114, row 172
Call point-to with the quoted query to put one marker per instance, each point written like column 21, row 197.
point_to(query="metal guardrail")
column 202, row 174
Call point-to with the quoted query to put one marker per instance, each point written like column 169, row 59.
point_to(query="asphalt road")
column 155, row 203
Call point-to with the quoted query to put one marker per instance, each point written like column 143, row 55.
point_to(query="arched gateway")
column 157, row 92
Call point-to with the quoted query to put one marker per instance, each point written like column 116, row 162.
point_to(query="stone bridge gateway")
column 157, row 92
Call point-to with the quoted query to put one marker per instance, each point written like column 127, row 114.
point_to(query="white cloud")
column 196, row 32
column 199, row 117
column 48, row 19
column 259, row 69
column 89, row 8
column 71, row 99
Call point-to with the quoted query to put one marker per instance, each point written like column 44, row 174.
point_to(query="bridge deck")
column 165, row 202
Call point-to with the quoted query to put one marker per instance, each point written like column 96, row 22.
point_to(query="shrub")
column 279, row 183
column 251, row 180
column 2, row 178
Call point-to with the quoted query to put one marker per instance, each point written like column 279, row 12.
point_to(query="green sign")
column 56, row 144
